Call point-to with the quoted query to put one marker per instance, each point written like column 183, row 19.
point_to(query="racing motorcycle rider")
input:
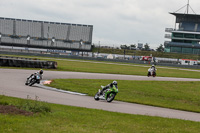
column 152, row 69
column 40, row 73
column 109, row 86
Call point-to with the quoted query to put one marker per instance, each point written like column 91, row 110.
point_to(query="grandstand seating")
column 20, row 40
column 41, row 33
column 6, row 26
column 24, row 28
column 78, row 33
column 55, row 30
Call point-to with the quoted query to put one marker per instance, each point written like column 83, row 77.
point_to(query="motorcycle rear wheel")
column 110, row 97
column 96, row 96
column 154, row 74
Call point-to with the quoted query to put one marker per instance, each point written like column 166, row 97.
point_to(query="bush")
column 35, row 106
column 3, row 102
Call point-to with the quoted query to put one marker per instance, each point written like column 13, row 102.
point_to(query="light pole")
column 0, row 37
column 113, row 49
column 124, row 53
column 134, row 54
column 99, row 48
column 28, row 41
column 80, row 45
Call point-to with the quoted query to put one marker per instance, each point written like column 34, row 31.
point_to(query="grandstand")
column 44, row 34
column 185, row 37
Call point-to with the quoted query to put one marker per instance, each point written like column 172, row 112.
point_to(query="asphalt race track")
column 12, row 84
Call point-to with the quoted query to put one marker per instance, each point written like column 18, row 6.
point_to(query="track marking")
column 55, row 89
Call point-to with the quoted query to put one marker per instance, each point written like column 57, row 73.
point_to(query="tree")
column 160, row 48
column 146, row 47
column 124, row 47
column 132, row 46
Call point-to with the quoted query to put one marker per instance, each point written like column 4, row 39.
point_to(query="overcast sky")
column 115, row 22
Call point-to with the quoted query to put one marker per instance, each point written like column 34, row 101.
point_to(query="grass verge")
column 169, row 94
column 76, row 119
column 33, row 106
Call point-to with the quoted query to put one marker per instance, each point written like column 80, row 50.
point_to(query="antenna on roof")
column 187, row 8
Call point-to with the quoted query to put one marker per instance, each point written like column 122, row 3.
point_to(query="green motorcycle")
column 108, row 94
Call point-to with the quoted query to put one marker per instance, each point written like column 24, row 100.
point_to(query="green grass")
column 29, row 105
column 129, row 69
column 75, row 120
column 119, row 68
column 35, row 106
column 179, row 95
column 168, row 94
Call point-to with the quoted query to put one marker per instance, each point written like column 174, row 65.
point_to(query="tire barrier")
column 26, row 62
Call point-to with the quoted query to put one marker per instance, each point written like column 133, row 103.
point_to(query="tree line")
column 145, row 48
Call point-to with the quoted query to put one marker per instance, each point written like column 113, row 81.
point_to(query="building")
column 140, row 45
column 185, row 37
column 44, row 34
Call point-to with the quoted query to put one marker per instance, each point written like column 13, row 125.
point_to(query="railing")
column 166, row 42
column 169, row 29
column 168, row 36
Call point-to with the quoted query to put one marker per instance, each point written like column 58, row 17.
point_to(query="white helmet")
column 114, row 82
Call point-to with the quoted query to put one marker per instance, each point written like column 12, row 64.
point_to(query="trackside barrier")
column 26, row 62
column 99, row 59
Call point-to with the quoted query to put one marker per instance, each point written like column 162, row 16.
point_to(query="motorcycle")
column 108, row 94
column 35, row 78
column 151, row 73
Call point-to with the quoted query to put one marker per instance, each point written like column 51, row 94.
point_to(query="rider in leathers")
column 40, row 73
column 152, row 69
column 109, row 86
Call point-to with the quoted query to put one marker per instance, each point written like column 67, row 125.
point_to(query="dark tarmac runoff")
column 12, row 84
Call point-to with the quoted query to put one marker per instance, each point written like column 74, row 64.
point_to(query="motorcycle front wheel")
column 110, row 97
column 32, row 82
column 148, row 74
column 154, row 74
column 96, row 96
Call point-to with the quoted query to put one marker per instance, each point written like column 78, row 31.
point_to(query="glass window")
column 179, row 35
column 187, row 50
column 189, row 35
column 176, row 49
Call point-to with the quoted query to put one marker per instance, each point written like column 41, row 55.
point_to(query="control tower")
column 185, row 37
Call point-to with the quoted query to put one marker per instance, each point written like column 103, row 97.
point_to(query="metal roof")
column 181, row 17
